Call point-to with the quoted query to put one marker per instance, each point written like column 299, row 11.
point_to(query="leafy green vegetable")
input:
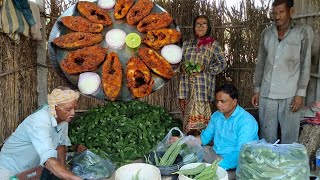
column 192, row 67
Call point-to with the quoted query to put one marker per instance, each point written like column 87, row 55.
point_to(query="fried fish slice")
column 122, row 8
column 156, row 62
column 81, row 24
column 83, row 60
column 139, row 78
column 154, row 21
column 77, row 40
column 112, row 76
column 138, row 11
column 156, row 39
column 94, row 13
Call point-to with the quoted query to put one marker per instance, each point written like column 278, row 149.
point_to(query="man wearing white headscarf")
column 41, row 139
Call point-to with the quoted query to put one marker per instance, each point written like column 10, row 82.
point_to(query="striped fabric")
column 13, row 22
column 212, row 58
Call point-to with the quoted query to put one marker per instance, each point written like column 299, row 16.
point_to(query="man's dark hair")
column 208, row 21
column 289, row 3
column 229, row 89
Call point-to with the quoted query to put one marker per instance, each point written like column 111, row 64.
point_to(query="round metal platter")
column 57, row 54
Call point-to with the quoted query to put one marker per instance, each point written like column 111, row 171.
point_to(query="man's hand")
column 55, row 167
column 81, row 148
column 296, row 103
column 255, row 100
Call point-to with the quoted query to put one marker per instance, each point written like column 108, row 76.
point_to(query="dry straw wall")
column 18, row 82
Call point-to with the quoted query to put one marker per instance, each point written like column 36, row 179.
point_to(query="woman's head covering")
column 61, row 95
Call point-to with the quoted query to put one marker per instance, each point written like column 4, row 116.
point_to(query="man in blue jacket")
column 229, row 128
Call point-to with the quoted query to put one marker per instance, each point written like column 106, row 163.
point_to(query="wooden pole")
column 42, row 71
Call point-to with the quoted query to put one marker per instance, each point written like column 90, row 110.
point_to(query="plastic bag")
column 88, row 165
column 191, row 150
column 261, row 160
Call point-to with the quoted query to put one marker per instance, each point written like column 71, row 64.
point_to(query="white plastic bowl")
column 222, row 174
column 147, row 172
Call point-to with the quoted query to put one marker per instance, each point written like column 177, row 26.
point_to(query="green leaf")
column 198, row 67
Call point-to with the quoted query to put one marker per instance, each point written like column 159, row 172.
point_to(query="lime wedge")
column 133, row 40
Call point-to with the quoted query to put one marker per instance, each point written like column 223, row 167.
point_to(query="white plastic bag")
column 88, row 165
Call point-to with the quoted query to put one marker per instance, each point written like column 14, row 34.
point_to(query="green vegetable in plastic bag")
column 261, row 160
column 88, row 165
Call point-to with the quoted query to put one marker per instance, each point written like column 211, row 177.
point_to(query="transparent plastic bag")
column 88, row 165
column 262, row 160
column 191, row 150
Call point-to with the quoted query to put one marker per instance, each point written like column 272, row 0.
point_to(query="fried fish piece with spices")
column 112, row 76
column 81, row 24
column 156, row 39
column 122, row 8
column 156, row 62
column 138, row 11
column 77, row 40
column 83, row 60
column 139, row 78
column 94, row 13
column 154, row 21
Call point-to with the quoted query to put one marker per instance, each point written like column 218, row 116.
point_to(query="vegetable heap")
column 267, row 161
column 121, row 131
column 202, row 171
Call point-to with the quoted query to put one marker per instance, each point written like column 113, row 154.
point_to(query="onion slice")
column 172, row 53
column 106, row 4
column 89, row 82
column 115, row 38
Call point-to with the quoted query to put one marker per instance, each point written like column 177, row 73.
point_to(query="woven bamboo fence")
column 18, row 82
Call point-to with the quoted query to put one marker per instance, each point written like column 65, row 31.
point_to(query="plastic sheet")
column 88, row 165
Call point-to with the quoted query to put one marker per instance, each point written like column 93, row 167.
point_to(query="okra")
column 193, row 171
column 168, row 152
column 173, row 156
column 208, row 176
column 136, row 177
column 205, row 172
column 156, row 160
column 209, row 170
